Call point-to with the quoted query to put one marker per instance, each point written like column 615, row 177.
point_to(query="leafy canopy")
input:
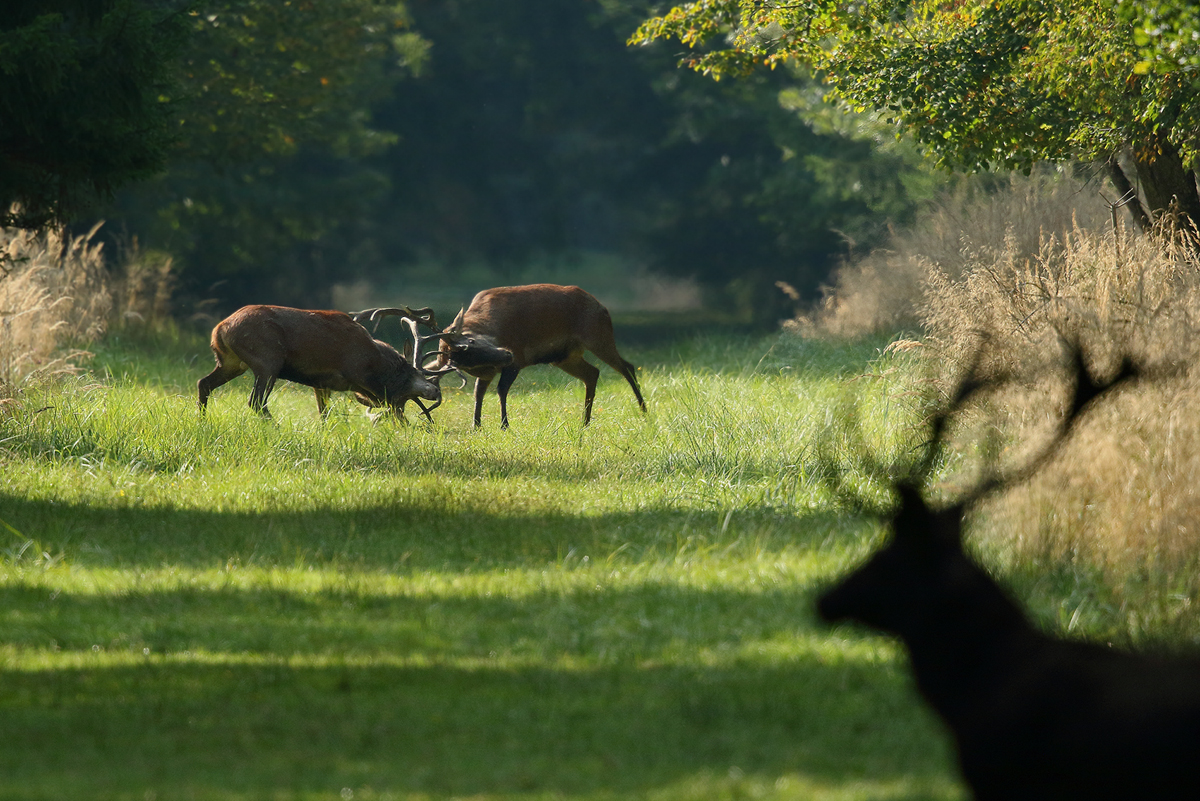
column 980, row 84
column 95, row 94
column 1167, row 33
column 268, row 76
column 83, row 101
column 274, row 121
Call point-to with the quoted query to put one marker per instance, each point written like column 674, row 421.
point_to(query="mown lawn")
column 224, row 608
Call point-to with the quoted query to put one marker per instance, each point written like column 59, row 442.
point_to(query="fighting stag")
column 326, row 350
column 537, row 324
column 1034, row 717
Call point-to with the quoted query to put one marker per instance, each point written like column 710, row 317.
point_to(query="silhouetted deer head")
column 1033, row 716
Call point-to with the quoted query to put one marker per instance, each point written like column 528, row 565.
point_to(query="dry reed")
column 884, row 290
column 54, row 298
column 1123, row 495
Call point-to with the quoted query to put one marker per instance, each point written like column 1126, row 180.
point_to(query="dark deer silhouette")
column 1034, row 717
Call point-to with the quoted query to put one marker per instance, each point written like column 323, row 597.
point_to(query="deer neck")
column 966, row 646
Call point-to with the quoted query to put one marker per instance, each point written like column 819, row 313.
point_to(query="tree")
column 980, row 83
column 1167, row 33
column 533, row 132
column 84, row 88
column 270, row 76
column 525, row 133
column 268, row 183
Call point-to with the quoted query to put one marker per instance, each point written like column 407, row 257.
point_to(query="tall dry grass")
column 54, row 298
column 1016, row 274
column 1121, row 498
column 143, row 283
column 884, row 290
column 1124, row 493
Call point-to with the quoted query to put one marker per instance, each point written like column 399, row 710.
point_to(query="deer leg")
column 425, row 410
column 630, row 373
column 507, row 376
column 586, row 372
column 613, row 359
column 481, row 385
column 322, row 401
column 263, row 384
column 223, row 374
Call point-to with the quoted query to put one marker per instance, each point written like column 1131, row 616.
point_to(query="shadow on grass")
column 643, row 623
column 416, row 534
column 566, row 688
column 278, row 730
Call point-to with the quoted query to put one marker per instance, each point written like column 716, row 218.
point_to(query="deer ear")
column 456, row 326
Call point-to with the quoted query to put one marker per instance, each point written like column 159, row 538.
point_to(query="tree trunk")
column 1127, row 197
column 1166, row 184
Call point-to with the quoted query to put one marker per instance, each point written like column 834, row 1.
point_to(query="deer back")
column 537, row 323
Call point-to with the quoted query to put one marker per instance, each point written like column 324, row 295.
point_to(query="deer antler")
column 411, row 317
column 1086, row 388
column 424, row 316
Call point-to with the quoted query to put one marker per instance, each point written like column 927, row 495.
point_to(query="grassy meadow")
column 222, row 607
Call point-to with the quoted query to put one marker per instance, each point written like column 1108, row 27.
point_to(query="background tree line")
column 273, row 148
column 313, row 142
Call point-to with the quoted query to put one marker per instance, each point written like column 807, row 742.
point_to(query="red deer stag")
column 325, row 350
column 1034, row 717
column 538, row 324
column 468, row 349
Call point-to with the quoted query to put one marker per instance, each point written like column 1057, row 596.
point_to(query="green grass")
column 224, row 608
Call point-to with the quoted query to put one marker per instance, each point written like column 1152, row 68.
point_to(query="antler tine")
column 968, row 387
column 373, row 316
column 377, row 315
column 438, row 372
column 966, row 391
column 843, row 431
column 411, row 317
column 1086, row 389
column 438, row 335
column 427, row 354
column 424, row 316
column 416, row 347
column 426, row 410
column 441, row 370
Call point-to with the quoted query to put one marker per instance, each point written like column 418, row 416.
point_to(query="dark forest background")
column 469, row 141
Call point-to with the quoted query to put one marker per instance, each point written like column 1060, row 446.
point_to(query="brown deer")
column 469, row 349
column 1034, row 717
column 537, row 324
column 326, row 350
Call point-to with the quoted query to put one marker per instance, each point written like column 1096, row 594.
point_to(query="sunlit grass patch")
column 225, row 607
